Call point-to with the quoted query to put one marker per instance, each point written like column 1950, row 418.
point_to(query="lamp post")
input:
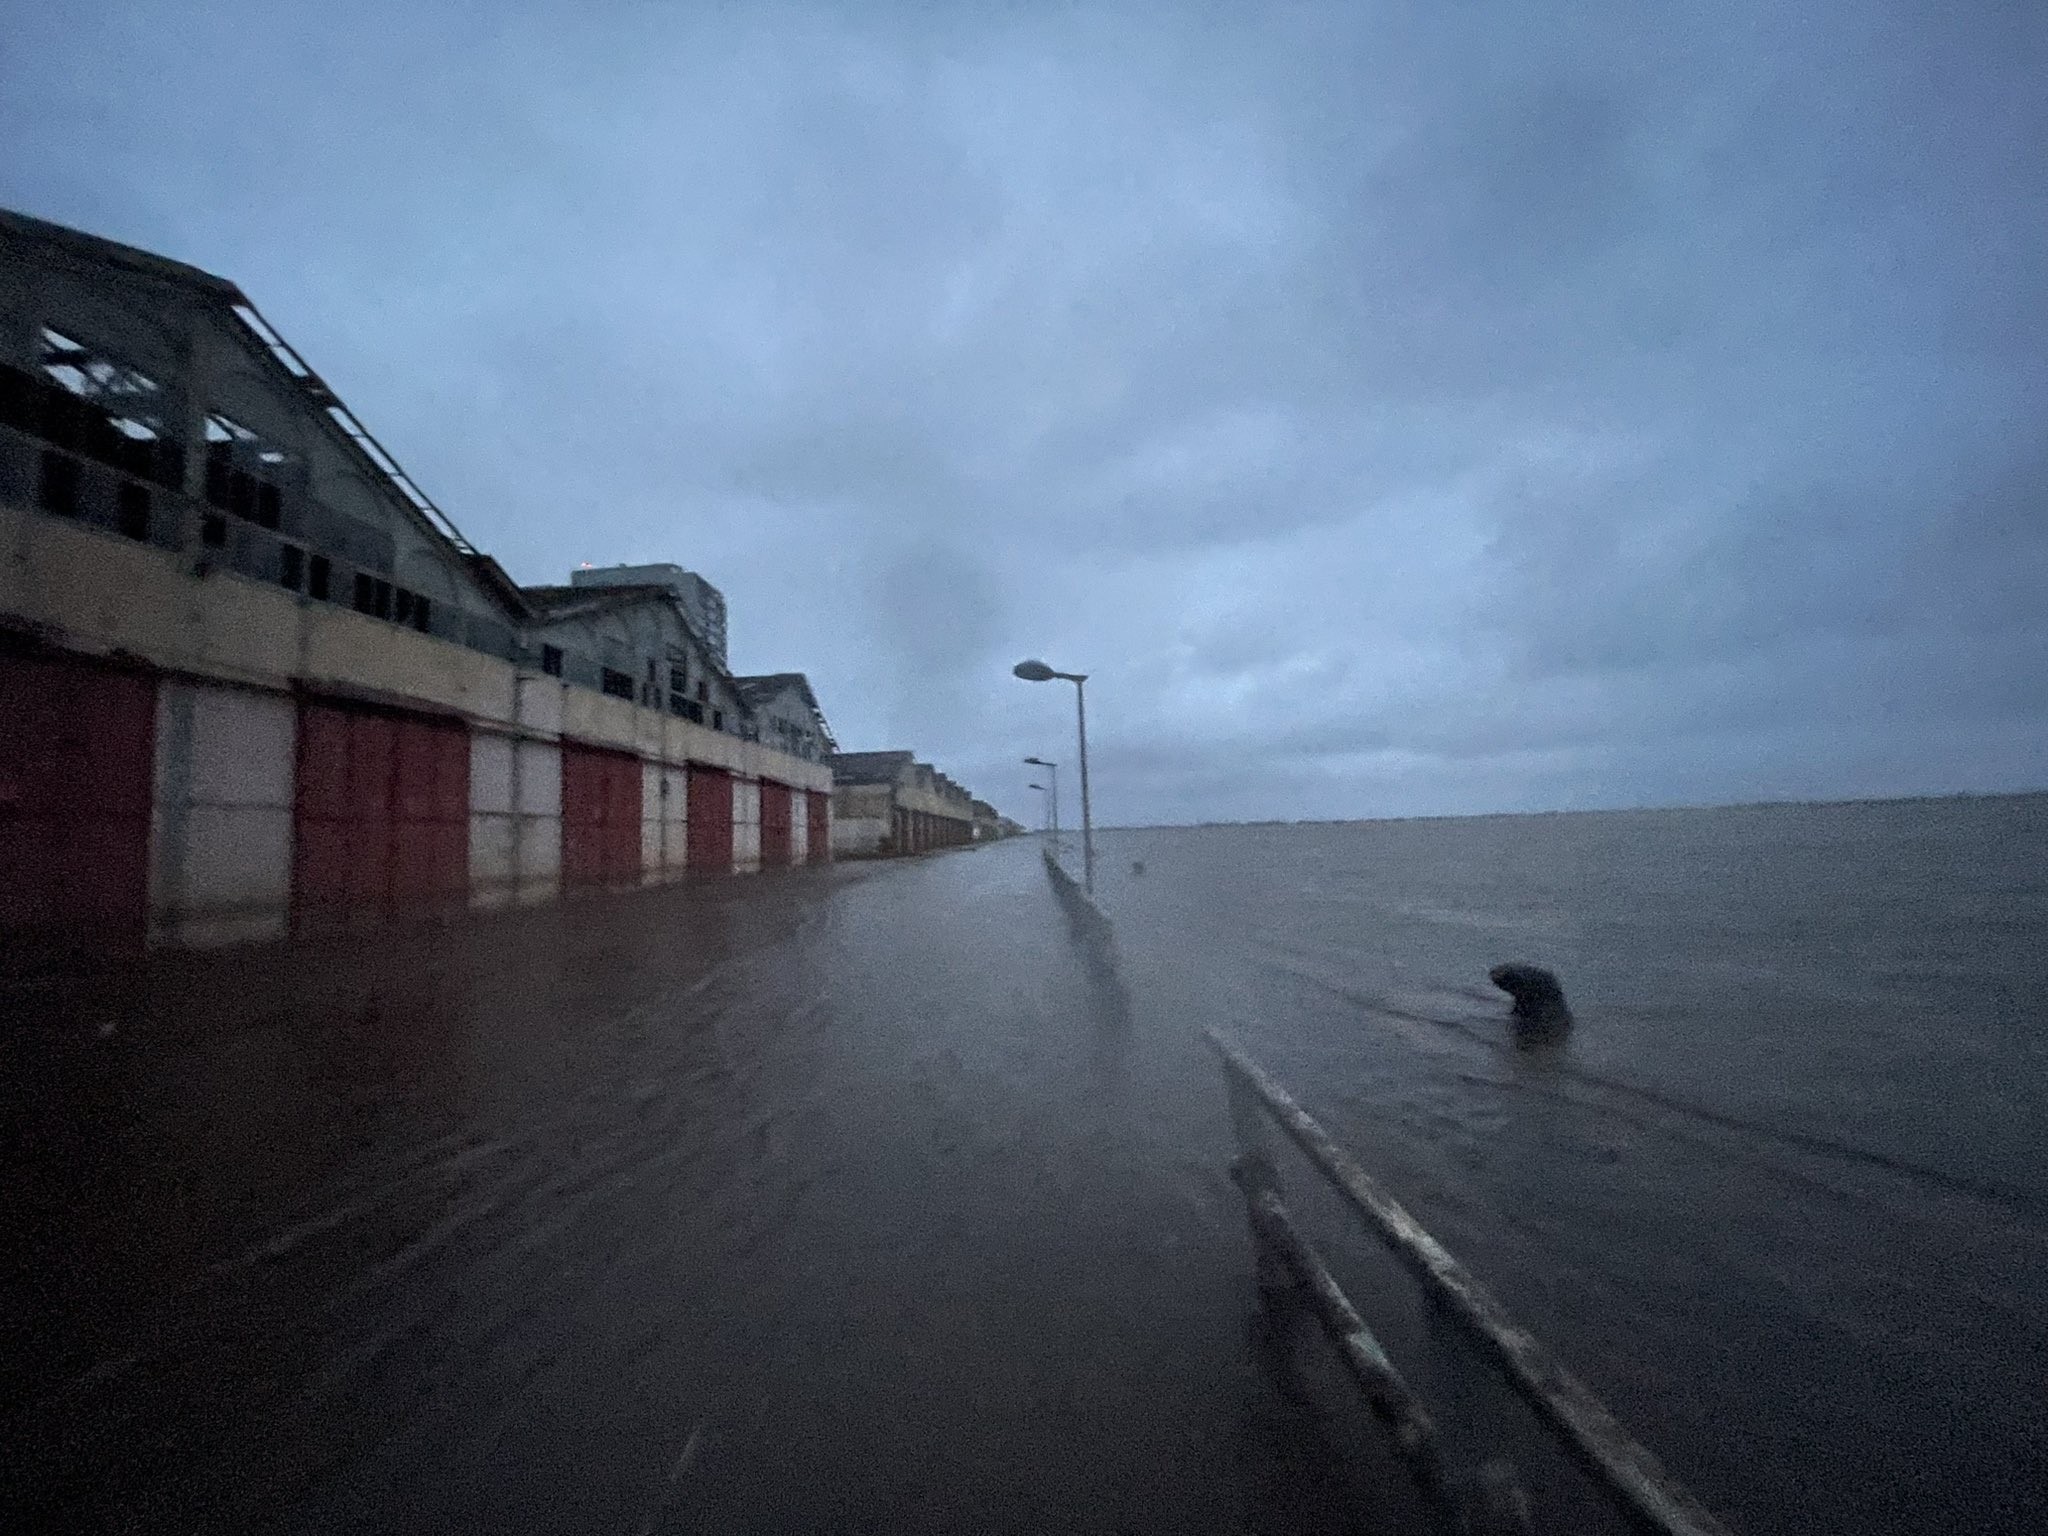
column 1044, row 815
column 1052, row 772
column 1039, row 672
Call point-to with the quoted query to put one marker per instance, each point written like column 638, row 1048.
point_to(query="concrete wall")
column 221, row 817
column 515, row 824
column 665, row 823
column 860, row 820
column 233, row 654
column 746, row 826
column 906, row 817
column 99, row 594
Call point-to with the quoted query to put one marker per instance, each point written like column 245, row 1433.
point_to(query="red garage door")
column 381, row 816
column 600, row 816
column 820, row 843
column 710, row 846
column 77, row 747
column 775, row 828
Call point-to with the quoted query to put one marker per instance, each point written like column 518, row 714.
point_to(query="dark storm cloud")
column 1397, row 409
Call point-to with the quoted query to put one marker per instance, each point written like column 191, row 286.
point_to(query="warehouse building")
column 888, row 803
column 253, row 681
column 785, row 713
column 702, row 603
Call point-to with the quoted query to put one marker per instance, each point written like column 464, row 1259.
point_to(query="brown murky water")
column 861, row 1200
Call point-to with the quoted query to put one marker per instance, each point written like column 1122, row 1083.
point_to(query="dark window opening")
column 63, row 418
column 617, row 684
column 652, row 674
column 718, row 719
column 213, row 531
column 373, row 596
column 99, row 405
column 703, row 691
column 551, row 660
column 57, row 489
column 678, row 680
column 226, row 436
column 242, row 470
column 131, row 510
column 217, row 471
column 169, row 468
column 291, row 566
column 412, row 608
column 20, row 399
column 319, row 574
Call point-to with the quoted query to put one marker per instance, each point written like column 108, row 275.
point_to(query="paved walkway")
column 848, row 1199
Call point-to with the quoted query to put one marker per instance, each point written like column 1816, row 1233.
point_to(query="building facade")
column 254, row 682
column 633, row 643
column 702, row 603
column 888, row 803
column 785, row 714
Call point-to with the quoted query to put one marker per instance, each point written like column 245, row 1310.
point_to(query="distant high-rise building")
column 702, row 602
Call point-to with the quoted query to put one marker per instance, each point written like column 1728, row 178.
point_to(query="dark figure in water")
column 1137, row 866
column 1539, row 1001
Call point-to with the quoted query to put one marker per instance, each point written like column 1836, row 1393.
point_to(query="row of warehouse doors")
column 604, row 817
column 381, row 808
column 383, row 815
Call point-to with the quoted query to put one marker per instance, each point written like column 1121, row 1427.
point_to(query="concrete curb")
column 1079, row 905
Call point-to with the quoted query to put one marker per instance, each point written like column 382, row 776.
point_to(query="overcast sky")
column 1397, row 408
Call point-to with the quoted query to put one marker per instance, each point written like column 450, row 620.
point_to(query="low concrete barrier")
column 1650, row 1498
column 1080, row 907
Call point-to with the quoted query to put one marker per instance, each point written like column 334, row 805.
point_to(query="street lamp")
column 1044, row 815
column 1053, row 770
column 1039, row 672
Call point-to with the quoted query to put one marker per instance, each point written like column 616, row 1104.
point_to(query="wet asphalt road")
column 842, row 1199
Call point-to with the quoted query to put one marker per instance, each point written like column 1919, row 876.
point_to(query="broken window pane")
column 131, row 400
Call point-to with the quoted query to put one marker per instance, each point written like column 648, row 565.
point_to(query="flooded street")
column 862, row 1198
column 842, row 1199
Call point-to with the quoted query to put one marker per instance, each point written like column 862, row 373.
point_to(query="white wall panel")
column 490, row 773
column 539, row 852
column 676, row 820
column 221, row 869
column 538, row 784
column 493, row 859
column 746, row 825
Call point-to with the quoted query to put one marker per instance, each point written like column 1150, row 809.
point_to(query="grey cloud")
column 1411, row 409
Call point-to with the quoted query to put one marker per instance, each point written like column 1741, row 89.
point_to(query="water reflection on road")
column 869, row 1199
column 839, row 1199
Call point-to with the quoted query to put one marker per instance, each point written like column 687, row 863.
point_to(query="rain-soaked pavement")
column 840, row 1199
column 871, row 1199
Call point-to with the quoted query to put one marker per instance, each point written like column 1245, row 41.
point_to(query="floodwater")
column 871, row 1199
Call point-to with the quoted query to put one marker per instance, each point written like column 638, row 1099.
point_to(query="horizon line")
column 1612, row 810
